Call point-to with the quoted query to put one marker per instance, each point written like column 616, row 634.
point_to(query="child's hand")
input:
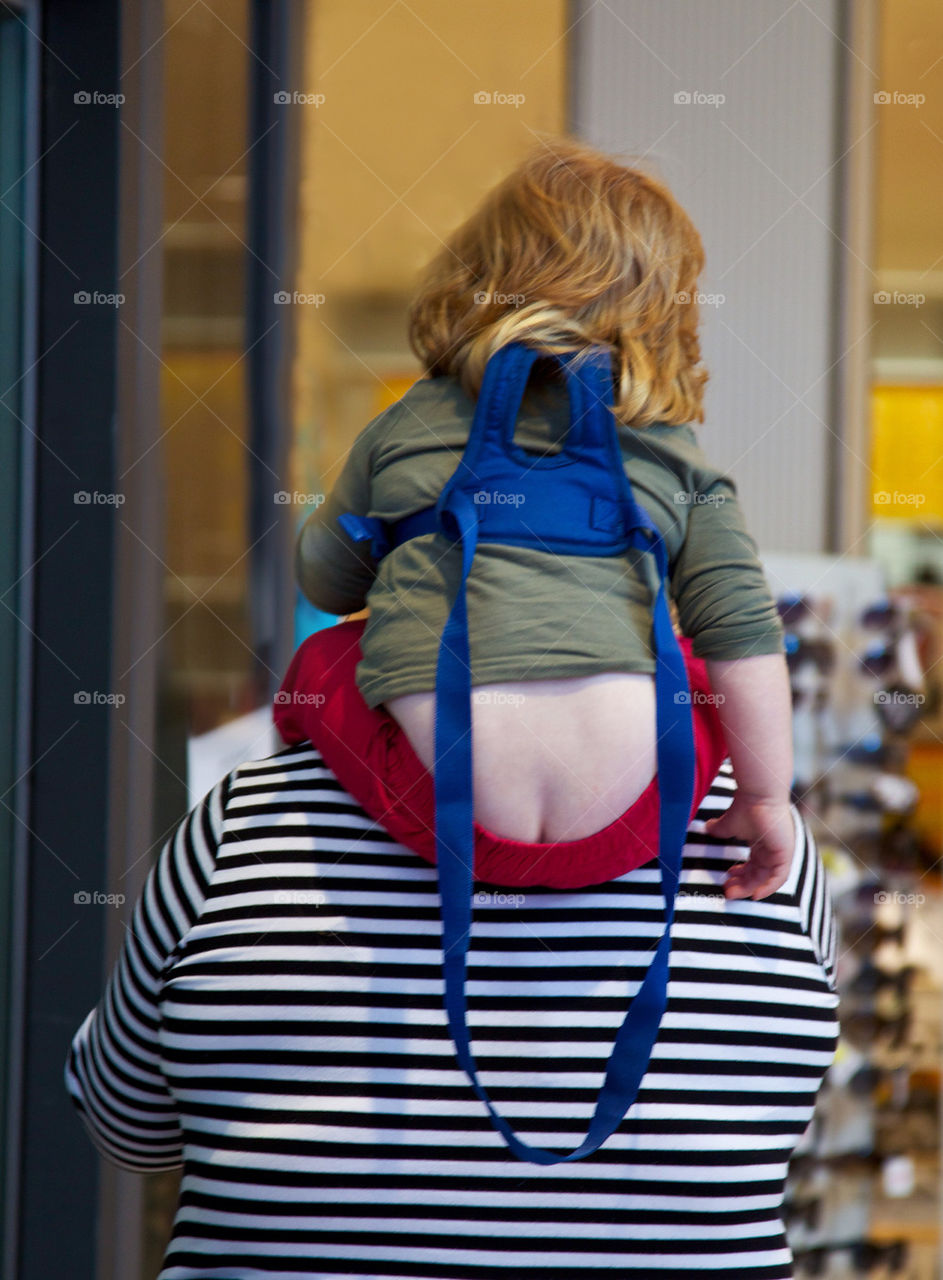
column 768, row 828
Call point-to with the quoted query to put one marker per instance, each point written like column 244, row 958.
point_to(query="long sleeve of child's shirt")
column 718, row 583
column 333, row 571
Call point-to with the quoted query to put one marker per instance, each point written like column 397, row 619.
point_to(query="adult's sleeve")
column 723, row 599
column 113, row 1069
column 815, row 907
column 333, row 571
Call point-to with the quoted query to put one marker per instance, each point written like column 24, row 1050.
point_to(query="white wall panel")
column 758, row 174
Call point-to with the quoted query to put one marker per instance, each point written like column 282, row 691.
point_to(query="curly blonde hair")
column 572, row 249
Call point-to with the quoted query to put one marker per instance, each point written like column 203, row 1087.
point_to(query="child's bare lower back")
column 553, row 759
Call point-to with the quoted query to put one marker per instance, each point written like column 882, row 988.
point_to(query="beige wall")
column 395, row 157
column 907, row 338
column 909, row 150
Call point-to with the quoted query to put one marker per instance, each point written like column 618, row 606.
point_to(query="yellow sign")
column 907, row 453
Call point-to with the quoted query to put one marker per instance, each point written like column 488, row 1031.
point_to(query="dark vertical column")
column 76, row 510
column 18, row 149
column 274, row 69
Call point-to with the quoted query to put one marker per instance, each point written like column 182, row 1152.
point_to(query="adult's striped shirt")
column 275, row 1025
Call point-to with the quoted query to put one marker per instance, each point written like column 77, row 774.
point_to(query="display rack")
column 863, row 1195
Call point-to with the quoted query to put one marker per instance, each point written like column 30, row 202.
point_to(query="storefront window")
column 907, row 338
column 402, row 123
column 864, row 640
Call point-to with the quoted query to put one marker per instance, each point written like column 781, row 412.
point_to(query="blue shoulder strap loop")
column 498, row 493
column 360, row 528
column 384, row 537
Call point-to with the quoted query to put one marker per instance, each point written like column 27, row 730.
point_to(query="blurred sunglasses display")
column 801, row 651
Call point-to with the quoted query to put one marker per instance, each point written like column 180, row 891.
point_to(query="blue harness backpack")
column 577, row 502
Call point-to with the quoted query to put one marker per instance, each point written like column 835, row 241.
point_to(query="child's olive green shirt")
column 532, row 615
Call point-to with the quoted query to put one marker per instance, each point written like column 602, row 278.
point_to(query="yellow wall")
column 393, row 159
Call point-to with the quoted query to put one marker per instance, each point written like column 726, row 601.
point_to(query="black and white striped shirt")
column 275, row 1026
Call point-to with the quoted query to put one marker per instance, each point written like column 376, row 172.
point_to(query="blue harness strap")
column 575, row 502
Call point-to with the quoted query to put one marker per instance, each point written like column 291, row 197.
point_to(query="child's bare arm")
column 755, row 709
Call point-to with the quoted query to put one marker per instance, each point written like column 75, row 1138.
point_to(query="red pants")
column 374, row 762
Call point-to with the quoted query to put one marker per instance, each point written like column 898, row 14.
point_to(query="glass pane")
column 207, row 666
column 375, row 202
